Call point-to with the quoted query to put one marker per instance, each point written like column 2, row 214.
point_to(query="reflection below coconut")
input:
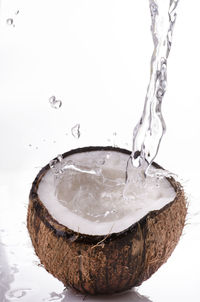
column 72, row 296
column 5, row 274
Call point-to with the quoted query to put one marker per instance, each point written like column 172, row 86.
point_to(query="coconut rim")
column 65, row 232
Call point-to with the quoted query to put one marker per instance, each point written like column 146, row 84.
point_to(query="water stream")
column 148, row 133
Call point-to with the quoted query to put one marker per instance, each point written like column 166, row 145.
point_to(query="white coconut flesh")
column 91, row 195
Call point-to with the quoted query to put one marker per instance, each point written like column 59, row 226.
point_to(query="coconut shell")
column 111, row 263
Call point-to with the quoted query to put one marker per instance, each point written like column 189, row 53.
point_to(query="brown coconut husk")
column 111, row 263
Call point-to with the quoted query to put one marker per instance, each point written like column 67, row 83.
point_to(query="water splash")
column 76, row 131
column 148, row 133
column 56, row 104
column 56, row 165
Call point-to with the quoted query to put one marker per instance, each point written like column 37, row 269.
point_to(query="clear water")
column 148, row 133
column 82, row 180
column 92, row 186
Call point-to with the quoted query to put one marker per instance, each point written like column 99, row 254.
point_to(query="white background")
column 94, row 55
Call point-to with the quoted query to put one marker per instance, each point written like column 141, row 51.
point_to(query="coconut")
column 106, row 256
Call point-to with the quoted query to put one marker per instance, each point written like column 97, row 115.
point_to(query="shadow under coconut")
column 127, row 296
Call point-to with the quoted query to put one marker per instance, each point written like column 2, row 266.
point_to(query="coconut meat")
column 91, row 195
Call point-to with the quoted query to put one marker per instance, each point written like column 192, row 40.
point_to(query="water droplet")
column 18, row 293
column 55, row 297
column 114, row 133
column 76, row 131
column 17, row 12
column 56, row 104
column 10, row 21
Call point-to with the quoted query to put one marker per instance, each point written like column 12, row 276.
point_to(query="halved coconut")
column 91, row 237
